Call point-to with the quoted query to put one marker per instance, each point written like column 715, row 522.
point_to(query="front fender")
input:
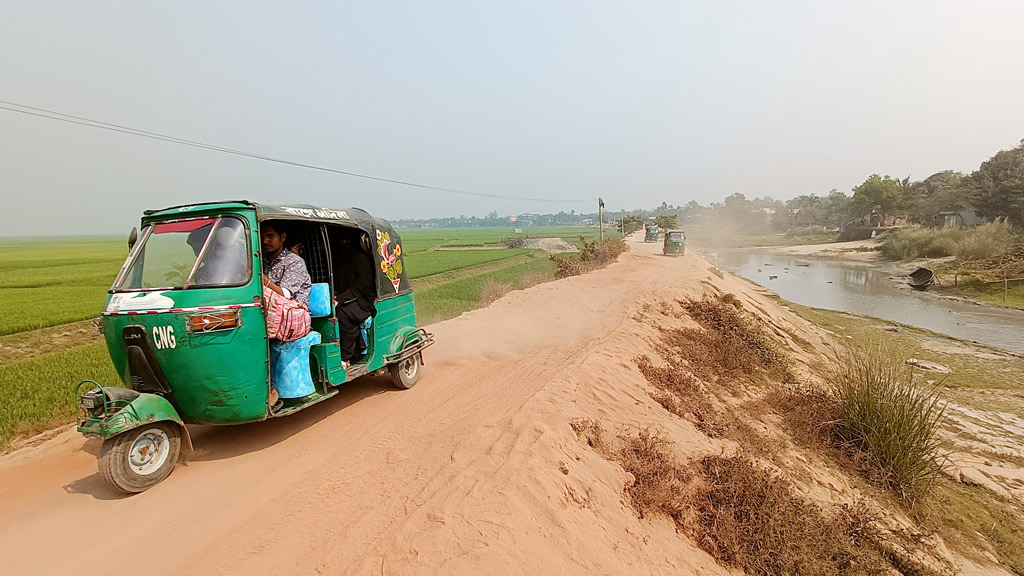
column 399, row 340
column 146, row 409
column 408, row 342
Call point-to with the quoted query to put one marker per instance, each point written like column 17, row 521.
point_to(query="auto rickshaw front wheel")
column 140, row 458
column 405, row 373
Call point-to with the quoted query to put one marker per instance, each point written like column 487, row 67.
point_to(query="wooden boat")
column 921, row 279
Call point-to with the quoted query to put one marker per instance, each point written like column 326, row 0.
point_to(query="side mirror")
column 133, row 237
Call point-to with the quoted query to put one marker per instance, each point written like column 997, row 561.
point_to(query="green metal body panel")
column 395, row 319
column 325, row 364
column 145, row 409
column 216, row 377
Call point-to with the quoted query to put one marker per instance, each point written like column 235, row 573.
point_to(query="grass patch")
column 424, row 264
column 978, row 243
column 882, row 418
column 887, row 413
column 699, row 238
column 992, row 292
column 38, row 392
column 48, row 282
column 976, row 519
column 450, row 299
column 421, row 240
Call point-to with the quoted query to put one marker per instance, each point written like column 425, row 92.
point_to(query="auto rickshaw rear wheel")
column 405, row 373
column 138, row 459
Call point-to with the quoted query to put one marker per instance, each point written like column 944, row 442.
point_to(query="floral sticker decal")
column 390, row 265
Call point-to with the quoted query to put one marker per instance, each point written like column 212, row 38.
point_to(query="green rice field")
column 51, row 282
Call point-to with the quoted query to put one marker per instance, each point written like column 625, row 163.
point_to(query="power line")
column 53, row 115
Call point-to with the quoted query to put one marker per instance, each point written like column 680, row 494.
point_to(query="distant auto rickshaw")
column 185, row 328
column 675, row 242
column 650, row 233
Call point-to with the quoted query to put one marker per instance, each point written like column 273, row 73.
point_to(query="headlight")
column 92, row 402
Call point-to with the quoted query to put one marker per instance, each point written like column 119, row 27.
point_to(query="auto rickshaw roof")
column 351, row 216
column 392, row 279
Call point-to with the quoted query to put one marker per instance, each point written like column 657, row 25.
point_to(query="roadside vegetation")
column 865, row 413
column 987, row 261
column 51, row 282
column 983, row 242
column 595, row 254
column 878, row 406
column 50, row 286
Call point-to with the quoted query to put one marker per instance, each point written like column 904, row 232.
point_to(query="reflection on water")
column 863, row 290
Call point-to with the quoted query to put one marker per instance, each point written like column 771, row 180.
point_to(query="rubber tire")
column 115, row 466
column 404, row 374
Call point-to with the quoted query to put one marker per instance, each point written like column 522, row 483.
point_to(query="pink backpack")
column 287, row 320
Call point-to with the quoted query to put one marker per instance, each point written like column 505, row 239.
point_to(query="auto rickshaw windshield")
column 194, row 253
column 676, row 236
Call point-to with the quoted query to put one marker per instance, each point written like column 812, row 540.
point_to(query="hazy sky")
column 638, row 102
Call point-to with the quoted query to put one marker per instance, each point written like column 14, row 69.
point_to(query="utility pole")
column 600, row 216
column 622, row 223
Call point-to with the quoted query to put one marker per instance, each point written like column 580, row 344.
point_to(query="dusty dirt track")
column 474, row 471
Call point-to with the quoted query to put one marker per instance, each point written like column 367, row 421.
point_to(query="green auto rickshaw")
column 650, row 233
column 185, row 328
column 675, row 243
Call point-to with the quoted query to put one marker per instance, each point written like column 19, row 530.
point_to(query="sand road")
column 473, row 471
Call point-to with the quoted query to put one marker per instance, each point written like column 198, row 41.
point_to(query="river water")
column 861, row 289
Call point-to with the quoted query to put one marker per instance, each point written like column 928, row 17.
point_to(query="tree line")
column 995, row 191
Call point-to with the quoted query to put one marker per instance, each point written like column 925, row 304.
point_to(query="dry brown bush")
column 738, row 338
column 749, row 518
column 592, row 433
column 659, row 480
column 566, row 266
column 594, row 255
column 679, row 392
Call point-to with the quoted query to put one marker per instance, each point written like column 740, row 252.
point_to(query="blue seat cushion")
column 320, row 300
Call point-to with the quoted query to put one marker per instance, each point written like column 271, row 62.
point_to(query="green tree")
column 631, row 223
column 946, row 190
column 877, row 195
column 837, row 208
column 999, row 185
column 667, row 222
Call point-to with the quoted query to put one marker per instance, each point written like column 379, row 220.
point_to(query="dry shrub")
column 659, row 480
column 679, row 392
column 602, row 252
column 748, row 518
column 594, row 255
column 592, row 433
column 568, row 265
column 724, row 315
column 809, row 413
column 731, row 345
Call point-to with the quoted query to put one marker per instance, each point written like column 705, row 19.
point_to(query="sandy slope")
column 474, row 471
